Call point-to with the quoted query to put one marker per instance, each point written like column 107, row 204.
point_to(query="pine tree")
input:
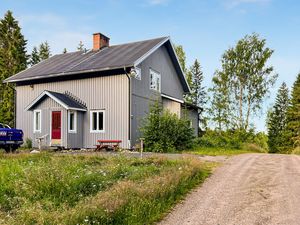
column 34, row 57
column 44, row 51
column 80, row 46
column 293, row 116
column 277, row 121
column 13, row 59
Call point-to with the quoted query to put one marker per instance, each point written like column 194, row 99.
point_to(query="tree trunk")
column 241, row 107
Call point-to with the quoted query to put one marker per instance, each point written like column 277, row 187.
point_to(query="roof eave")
column 8, row 80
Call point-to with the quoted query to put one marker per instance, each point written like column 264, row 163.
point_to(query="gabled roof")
column 109, row 58
column 63, row 99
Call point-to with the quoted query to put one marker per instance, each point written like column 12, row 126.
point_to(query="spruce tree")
column 44, row 51
column 198, row 94
column 293, row 117
column 13, row 59
column 34, row 57
column 277, row 121
column 80, row 46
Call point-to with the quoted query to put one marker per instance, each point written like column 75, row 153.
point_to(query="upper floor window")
column 138, row 73
column 37, row 121
column 97, row 120
column 155, row 80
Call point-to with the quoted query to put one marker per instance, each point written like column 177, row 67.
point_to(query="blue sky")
column 205, row 28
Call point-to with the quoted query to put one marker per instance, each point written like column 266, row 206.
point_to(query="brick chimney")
column 100, row 41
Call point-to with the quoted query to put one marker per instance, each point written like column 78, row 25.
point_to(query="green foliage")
column 80, row 46
column 37, row 55
column 34, row 58
column 233, row 139
column 198, row 95
column 65, row 51
column 53, row 189
column 165, row 132
column 13, row 59
column 28, row 143
column 293, row 117
column 44, row 51
column 240, row 87
column 181, row 57
column 277, row 121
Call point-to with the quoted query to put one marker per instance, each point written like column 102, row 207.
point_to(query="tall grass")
column 51, row 189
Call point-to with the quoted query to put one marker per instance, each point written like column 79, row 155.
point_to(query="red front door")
column 56, row 125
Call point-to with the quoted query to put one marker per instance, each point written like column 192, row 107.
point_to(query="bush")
column 165, row 132
column 28, row 143
column 233, row 139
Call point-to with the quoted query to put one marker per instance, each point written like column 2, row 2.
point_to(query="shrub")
column 233, row 139
column 28, row 143
column 165, row 132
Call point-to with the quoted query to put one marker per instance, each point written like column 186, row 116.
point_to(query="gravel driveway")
column 248, row 189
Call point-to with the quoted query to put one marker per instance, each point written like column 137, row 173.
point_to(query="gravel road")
column 248, row 189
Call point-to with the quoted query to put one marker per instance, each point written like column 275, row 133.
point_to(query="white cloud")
column 234, row 3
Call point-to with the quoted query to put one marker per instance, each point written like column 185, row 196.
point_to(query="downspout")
column 129, row 106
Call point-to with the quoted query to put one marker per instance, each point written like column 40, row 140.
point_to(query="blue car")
column 10, row 138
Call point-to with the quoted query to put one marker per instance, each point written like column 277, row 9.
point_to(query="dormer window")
column 155, row 81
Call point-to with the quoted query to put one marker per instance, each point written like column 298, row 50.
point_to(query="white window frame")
column 138, row 73
column 34, row 121
column 91, row 121
column 155, row 80
column 74, row 121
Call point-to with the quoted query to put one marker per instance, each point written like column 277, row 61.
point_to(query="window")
column 37, row 121
column 97, row 119
column 155, row 80
column 72, row 122
column 138, row 75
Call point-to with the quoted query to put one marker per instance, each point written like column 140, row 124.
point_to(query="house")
column 71, row 100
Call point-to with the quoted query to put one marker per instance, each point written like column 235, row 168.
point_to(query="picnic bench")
column 107, row 144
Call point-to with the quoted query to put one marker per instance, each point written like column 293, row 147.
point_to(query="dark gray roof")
column 113, row 57
column 64, row 100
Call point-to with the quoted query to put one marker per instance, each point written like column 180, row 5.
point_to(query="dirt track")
column 248, row 189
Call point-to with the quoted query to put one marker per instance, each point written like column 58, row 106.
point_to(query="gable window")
column 37, row 121
column 138, row 75
column 155, row 81
column 72, row 122
column 97, row 119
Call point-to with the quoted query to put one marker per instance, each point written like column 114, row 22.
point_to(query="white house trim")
column 142, row 58
column 172, row 98
column 55, row 99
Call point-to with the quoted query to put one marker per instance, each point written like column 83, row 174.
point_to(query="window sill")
column 97, row 131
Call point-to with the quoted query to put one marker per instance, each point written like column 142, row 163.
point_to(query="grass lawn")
column 220, row 151
column 77, row 189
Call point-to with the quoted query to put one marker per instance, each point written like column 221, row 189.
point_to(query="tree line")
column 13, row 59
column 237, row 95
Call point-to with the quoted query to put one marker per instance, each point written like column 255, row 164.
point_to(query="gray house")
column 73, row 99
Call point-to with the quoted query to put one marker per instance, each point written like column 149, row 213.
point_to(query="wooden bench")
column 106, row 144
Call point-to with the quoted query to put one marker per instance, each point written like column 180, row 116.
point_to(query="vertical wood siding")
column 143, row 97
column 109, row 93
